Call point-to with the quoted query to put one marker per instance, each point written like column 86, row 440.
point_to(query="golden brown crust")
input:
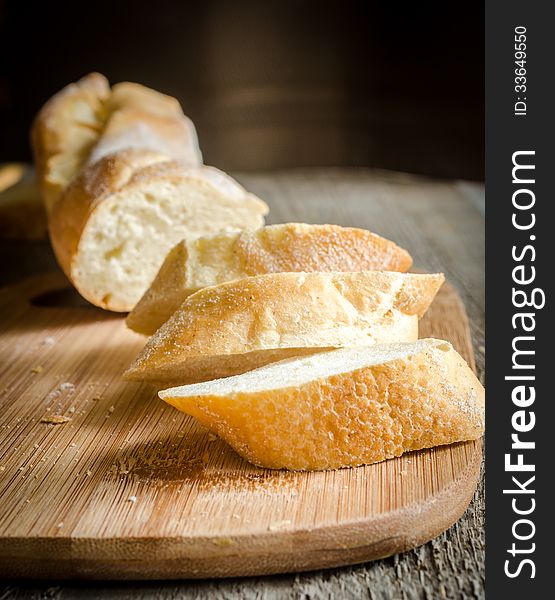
column 87, row 121
column 288, row 247
column 301, row 247
column 139, row 117
column 364, row 416
column 283, row 310
column 65, row 130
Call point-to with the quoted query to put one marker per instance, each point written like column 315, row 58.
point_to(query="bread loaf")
column 115, row 223
column 241, row 325
column 342, row 408
column 122, row 180
column 197, row 263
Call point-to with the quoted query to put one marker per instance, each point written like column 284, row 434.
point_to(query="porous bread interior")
column 130, row 233
column 295, row 372
column 207, row 368
column 208, row 261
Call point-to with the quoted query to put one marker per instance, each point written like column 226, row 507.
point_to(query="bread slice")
column 238, row 326
column 88, row 120
column 197, row 263
column 118, row 219
column 342, row 408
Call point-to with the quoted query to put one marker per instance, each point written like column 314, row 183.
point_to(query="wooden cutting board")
column 127, row 487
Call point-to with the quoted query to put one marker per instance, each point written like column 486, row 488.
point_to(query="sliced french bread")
column 241, row 325
column 113, row 226
column 342, row 408
column 207, row 261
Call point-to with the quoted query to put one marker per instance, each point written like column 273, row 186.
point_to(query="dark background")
column 269, row 84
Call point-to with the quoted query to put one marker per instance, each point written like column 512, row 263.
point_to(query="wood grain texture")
column 101, row 480
column 449, row 240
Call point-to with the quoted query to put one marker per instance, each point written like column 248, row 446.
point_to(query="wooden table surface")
column 441, row 223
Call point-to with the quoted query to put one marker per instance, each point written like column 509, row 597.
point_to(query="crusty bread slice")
column 244, row 324
column 342, row 408
column 197, row 263
column 88, row 120
column 117, row 220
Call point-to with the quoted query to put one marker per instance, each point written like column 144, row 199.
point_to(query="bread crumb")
column 132, row 499
column 48, row 341
column 111, row 409
column 66, row 385
column 224, row 541
column 278, row 525
column 60, row 525
column 55, row 419
column 88, row 473
column 211, row 437
column 37, row 369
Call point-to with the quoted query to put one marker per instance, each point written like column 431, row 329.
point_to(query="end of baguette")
column 65, row 130
column 113, row 227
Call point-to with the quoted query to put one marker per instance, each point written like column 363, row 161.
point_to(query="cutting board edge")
column 27, row 557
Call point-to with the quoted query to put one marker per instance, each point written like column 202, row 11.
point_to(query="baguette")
column 342, row 408
column 115, row 223
column 197, row 263
column 88, row 120
column 122, row 180
column 241, row 325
